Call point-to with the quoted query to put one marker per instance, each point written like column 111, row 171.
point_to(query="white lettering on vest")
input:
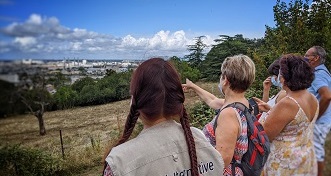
column 202, row 167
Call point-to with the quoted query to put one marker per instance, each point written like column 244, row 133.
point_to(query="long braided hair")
column 157, row 91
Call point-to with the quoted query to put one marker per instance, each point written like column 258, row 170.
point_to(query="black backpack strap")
column 240, row 106
column 253, row 106
column 215, row 123
column 248, row 114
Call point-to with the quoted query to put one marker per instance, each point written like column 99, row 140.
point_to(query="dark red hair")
column 157, row 91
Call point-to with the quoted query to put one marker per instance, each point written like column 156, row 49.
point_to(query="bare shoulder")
column 228, row 113
column 286, row 108
column 287, row 103
column 228, row 117
column 228, row 122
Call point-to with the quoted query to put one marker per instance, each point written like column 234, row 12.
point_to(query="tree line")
column 31, row 95
column 298, row 26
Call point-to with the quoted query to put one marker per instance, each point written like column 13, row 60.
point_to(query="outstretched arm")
column 210, row 99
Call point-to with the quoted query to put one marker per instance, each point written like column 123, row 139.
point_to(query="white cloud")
column 25, row 41
column 34, row 19
column 48, row 38
column 76, row 46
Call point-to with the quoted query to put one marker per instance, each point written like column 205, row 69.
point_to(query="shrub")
column 65, row 97
column 16, row 160
column 201, row 114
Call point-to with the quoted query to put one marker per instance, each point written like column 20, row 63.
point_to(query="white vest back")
column 162, row 150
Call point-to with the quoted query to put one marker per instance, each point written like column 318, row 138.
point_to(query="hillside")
column 85, row 130
column 81, row 127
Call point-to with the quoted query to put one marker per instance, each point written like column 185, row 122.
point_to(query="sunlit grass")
column 86, row 132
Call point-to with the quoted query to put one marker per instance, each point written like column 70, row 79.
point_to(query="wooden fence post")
column 62, row 144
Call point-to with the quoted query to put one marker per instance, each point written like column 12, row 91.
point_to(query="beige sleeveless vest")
column 162, row 150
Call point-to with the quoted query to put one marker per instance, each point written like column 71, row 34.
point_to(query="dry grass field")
column 85, row 131
column 79, row 126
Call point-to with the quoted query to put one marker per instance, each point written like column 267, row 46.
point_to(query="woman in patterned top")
column 289, row 124
column 230, row 136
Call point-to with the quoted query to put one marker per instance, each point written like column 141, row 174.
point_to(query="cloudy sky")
column 123, row 29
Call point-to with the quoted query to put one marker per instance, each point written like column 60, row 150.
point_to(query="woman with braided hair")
column 163, row 147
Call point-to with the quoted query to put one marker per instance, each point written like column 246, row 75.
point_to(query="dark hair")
column 273, row 68
column 157, row 91
column 297, row 73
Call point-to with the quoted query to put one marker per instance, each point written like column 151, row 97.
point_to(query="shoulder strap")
column 238, row 105
column 218, row 114
column 296, row 102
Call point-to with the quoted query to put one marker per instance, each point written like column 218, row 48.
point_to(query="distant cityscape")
column 73, row 69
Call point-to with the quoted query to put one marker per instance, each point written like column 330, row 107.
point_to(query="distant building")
column 12, row 78
column 50, row 88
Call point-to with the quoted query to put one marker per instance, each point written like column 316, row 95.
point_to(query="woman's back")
column 160, row 150
column 293, row 147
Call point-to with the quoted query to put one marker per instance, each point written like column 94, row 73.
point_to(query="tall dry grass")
column 86, row 132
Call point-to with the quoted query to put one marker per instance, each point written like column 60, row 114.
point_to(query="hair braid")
column 129, row 126
column 190, row 142
column 130, row 123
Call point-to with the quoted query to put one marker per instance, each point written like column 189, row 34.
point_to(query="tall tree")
column 320, row 25
column 298, row 26
column 185, row 70
column 196, row 52
column 226, row 46
column 34, row 95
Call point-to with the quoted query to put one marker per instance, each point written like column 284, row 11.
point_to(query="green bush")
column 201, row 114
column 16, row 160
column 65, row 97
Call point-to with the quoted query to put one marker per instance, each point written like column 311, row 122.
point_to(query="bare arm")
column 325, row 99
column 226, row 133
column 266, row 89
column 279, row 116
column 210, row 99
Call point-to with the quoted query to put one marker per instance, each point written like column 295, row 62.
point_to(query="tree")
column 226, row 46
column 65, row 97
column 82, row 70
column 79, row 84
column 291, row 30
column 110, row 72
column 184, row 70
column 34, row 96
column 196, row 52
column 8, row 103
column 299, row 25
column 320, row 25
column 58, row 80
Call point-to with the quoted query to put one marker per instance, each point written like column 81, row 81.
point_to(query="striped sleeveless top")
column 241, row 144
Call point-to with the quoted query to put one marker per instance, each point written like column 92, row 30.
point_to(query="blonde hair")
column 239, row 71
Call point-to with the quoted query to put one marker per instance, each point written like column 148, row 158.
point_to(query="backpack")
column 258, row 143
